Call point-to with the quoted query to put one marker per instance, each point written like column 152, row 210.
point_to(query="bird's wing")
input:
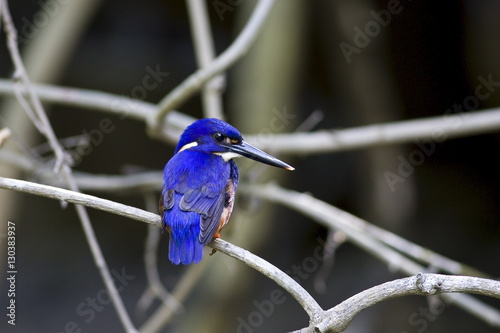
column 209, row 203
column 208, row 195
column 166, row 203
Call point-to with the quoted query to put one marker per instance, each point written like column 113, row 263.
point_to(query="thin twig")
column 205, row 53
column 164, row 314
column 233, row 53
column 21, row 75
column 4, row 135
column 61, row 165
column 333, row 242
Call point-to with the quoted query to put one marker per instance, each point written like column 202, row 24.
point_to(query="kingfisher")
column 199, row 185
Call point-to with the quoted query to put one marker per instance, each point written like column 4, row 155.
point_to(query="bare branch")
column 286, row 282
column 233, row 53
column 352, row 227
column 80, row 199
column 436, row 129
column 205, row 53
column 121, row 106
column 4, row 135
column 361, row 232
column 164, row 314
column 89, row 99
column 339, row 317
column 32, row 102
column 297, row 291
column 331, row 217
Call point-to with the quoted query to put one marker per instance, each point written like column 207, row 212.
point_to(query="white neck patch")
column 227, row 156
column 187, row 146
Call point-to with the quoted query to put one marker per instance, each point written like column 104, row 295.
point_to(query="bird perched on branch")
column 200, row 182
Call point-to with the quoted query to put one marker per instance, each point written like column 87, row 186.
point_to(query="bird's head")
column 215, row 136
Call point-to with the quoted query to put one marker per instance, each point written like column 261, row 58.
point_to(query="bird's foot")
column 217, row 235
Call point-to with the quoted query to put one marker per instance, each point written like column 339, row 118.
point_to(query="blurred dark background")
column 424, row 61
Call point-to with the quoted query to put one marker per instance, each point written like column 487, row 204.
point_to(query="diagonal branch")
column 80, row 199
column 233, row 53
column 285, row 281
column 338, row 318
column 205, row 53
column 4, row 135
column 33, row 106
column 334, row 320
column 352, row 227
column 289, row 284
column 432, row 129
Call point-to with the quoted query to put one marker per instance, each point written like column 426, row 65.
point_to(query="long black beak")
column 249, row 151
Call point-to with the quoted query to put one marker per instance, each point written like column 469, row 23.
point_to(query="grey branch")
column 433, row 129
column 4, row 135
column 339, row 317
column 205, row 52
column 285, row 281
column 198, row 79
column 33, row 107
column 379, row 244
column 80, row 199
column 290, row 285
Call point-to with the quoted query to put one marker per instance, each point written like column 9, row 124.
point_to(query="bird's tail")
column 184, row 246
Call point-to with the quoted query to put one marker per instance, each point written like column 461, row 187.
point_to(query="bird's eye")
column 219, row 137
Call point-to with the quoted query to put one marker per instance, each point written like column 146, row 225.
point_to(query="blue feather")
column 200, row 182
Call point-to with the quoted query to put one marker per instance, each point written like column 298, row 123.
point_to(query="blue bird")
column 200, row 182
